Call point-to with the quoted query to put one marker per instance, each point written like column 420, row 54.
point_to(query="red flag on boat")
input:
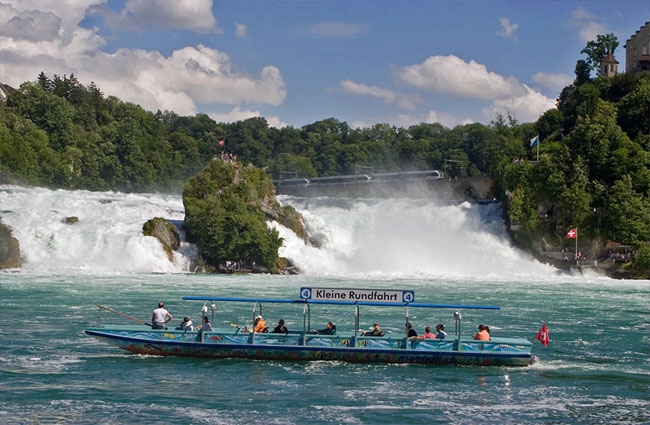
column 542, row 335
column 573, row 233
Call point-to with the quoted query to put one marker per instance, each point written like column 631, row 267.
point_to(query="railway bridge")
column 413, row 184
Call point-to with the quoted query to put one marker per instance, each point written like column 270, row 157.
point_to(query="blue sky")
column 297, row 62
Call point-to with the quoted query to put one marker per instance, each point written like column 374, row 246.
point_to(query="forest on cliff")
column 588, row 168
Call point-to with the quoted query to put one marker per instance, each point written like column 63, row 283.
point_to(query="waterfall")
column 352, row 237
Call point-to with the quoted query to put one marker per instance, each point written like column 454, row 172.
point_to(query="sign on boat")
column 350, row 345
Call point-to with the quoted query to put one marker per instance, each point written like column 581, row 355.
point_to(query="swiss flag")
column 542, row 335
column 573, row 233
column 221, row 142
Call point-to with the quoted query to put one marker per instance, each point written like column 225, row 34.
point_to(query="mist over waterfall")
column 402, row 238
column 406, row 237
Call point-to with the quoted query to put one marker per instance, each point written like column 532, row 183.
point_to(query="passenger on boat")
column 440, row 332
column 329, row 330
column 260, row 325
column 280, row 329
column 186, row 325
column 410, row 332
column 376, row 331
column 207, row 326
column 427, row 334
column 160, row 317
column 483, row 333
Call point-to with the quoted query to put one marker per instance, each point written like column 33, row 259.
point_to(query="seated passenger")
column 427, row 334
column 376, row 331
column 410, row 332
column 186, row 325
column 483, row 333
column 329, row 330
column 440, row 332
column 207, row 326
column 260, row 325
column 280, row 329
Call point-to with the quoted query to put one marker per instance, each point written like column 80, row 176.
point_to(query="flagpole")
column 577, row 246
column 537, row 148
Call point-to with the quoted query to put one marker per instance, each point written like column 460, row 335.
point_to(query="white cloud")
column 408, row 102
column 335, row 29
column 452, row 76
column 508, row 29
column 241, row 30
column 142, row 15
column 178, row 82
column 407, row 120
column 552, row 81
column 237, row 114
column 582, row 14
column 456, row 78
column 526, row 108
column 590, row 30
column 588, row 27
column 31, row 25
column 386, row 95
column 447, row 120
column 51, row 21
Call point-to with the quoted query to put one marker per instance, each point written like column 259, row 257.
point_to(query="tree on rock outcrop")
column 224, row 216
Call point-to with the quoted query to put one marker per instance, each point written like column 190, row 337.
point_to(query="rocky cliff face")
column 165, row 232
column 9, row 249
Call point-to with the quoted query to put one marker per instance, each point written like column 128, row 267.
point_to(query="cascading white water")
column 404, row 237
column 107, row 238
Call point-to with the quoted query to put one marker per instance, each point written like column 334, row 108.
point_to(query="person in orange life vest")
column 260, row 325
column 483, row 333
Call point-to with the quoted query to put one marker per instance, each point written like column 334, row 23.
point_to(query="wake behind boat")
column 306, row 344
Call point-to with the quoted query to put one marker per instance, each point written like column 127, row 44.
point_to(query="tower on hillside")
column 637, row 51
column 609, row 66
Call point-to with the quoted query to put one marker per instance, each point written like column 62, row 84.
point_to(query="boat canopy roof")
column 338, row 302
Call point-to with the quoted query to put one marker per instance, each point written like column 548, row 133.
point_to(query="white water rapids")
column 402, row 238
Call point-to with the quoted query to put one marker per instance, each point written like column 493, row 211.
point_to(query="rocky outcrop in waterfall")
column 9, row 249
column 165, row 232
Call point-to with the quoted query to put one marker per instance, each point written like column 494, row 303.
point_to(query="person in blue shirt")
column 440, row 332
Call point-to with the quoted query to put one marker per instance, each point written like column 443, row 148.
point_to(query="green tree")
column 597, row 50
column 223, row 215
column 627, row 218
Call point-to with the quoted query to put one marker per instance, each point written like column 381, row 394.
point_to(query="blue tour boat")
column 346, row 345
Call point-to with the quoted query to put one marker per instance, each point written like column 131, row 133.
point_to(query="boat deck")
column 234, row 336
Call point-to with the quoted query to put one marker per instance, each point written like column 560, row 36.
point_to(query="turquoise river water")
column 596, row 369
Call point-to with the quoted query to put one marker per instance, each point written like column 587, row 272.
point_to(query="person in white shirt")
column 207, row 326
column 160, row 317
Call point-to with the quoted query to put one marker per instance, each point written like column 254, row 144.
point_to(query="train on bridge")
column 361, row 178
column 402, row 184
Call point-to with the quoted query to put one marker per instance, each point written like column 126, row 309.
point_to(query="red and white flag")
column 221, row 142
column 542, row 335
column 573, row 233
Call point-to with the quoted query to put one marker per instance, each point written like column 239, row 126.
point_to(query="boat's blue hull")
column 227, row 343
